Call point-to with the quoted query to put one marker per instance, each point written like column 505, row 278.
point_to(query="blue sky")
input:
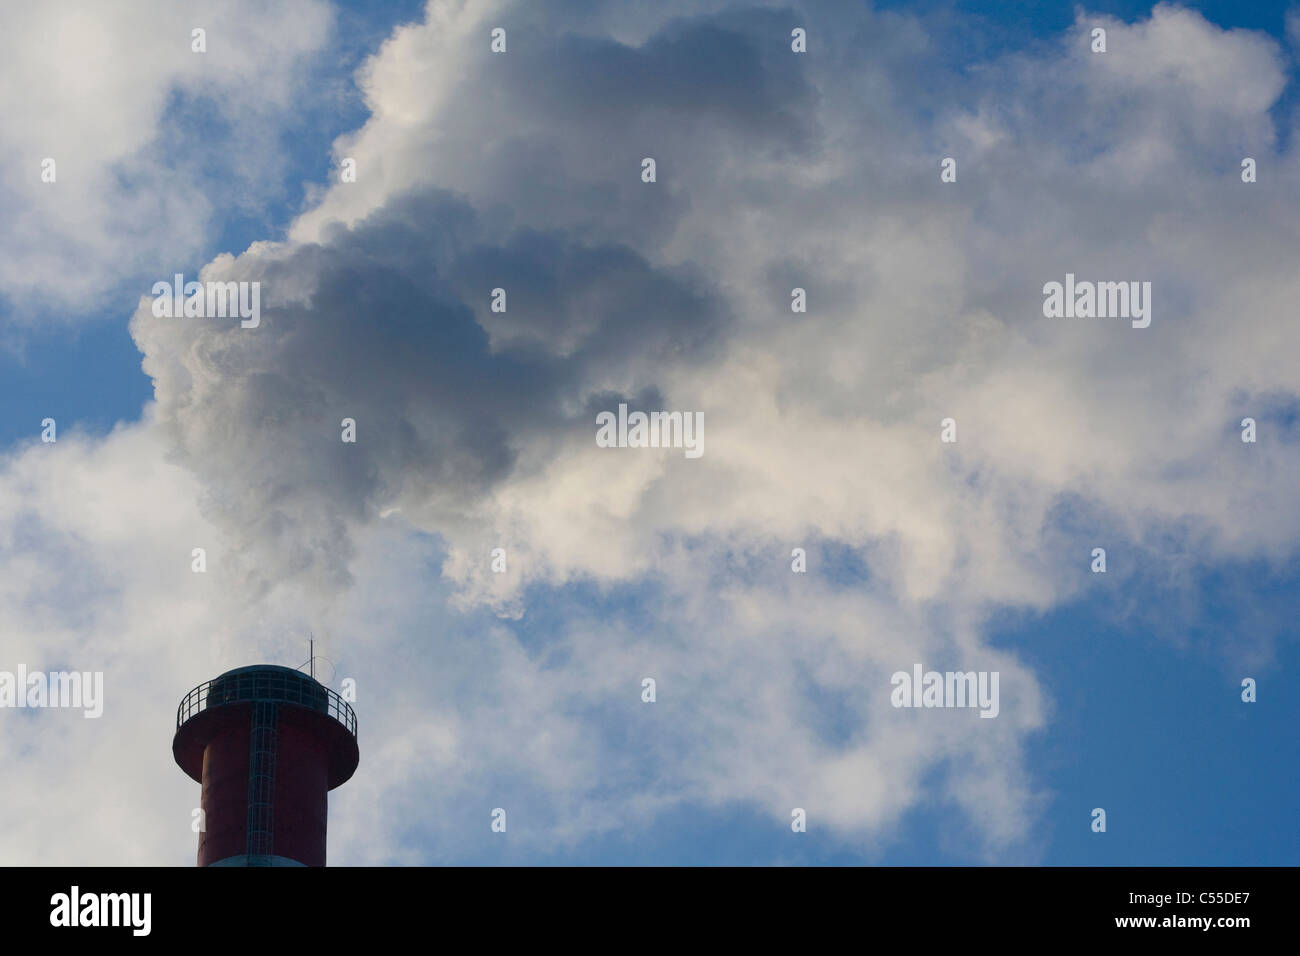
column 1139, row 670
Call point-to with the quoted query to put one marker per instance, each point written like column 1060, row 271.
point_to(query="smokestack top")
column 215, row 705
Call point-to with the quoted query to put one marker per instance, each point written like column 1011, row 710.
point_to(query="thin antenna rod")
column 311, row 645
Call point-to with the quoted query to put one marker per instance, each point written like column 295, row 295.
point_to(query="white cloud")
column 97, row 87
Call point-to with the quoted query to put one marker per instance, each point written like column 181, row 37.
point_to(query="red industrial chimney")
column 267, row 743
